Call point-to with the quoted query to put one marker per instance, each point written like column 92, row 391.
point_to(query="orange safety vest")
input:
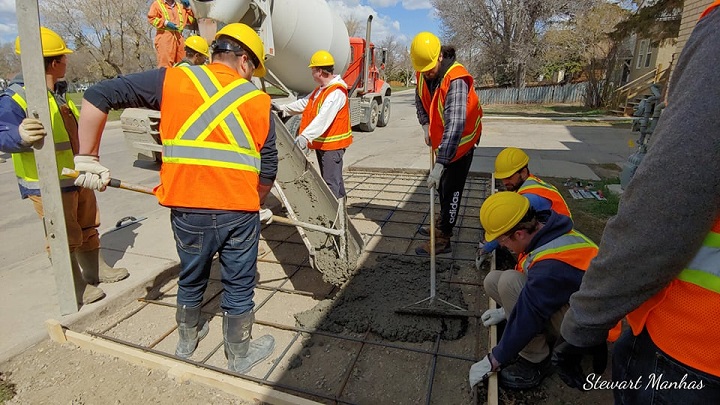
column 183, row 16
column 339, row 133
column 213, row 125
column 573, row 248
column 709, row 9
column 680, row 318
column 533, row 185
column 435, row 107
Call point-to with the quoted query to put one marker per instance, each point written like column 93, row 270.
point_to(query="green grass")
column 400, row 88
column 543, row 110
column 76, row 98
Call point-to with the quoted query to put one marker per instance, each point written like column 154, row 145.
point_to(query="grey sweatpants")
column 331, row 167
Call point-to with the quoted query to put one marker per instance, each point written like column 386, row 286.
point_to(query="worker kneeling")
column 552, row 259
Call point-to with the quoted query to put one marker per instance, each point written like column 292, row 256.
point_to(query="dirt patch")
column 51, row 373
column 370, row 302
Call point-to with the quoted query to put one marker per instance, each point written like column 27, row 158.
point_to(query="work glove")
column 93, row 175
column 567, row 359
column 31, row 130
column 426, row 130
column 481, row 370
column 266, row 216
column 481, row 256
column 185, row 3
column 303, row 143
column 171, row 25
column 493, row 316
column 433, row 179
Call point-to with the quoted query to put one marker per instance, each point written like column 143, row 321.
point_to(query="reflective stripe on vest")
column 435, row 107
column 562, row 249
column 219, row 109
column 338, row 135
column 24, row 162
column 682, row 318
column 166, row 16
column 534, row 185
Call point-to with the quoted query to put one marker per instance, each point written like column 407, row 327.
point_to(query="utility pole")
column 33, row 69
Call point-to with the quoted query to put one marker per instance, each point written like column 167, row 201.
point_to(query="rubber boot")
column 442, row 244
column 242, row 353
column 96, row 271
column 192, row 328
column 84, row 292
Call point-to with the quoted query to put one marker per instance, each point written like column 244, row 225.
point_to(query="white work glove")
column 303, row 142
column 275, row 107
column 433, row 179
column 493, row 316
column 31, row 130
column 266, row 216
column 93, row 175
column 481, row 370
column 426, row 130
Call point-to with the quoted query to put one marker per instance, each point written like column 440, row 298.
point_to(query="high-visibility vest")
column 24, row 162
column 710, row 8
column 339, row 133
column 182, row 16
column 435, row 107
column 534, row 185
column 682, row 318
column 572, row 248
column 213, row 125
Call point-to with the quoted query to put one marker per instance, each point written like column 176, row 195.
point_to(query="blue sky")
column 400, row 19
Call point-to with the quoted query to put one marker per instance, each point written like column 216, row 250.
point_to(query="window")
column 648, row 56
column 644, row 50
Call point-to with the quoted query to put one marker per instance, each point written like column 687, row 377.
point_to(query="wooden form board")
column 492, row 392
column 247, row 390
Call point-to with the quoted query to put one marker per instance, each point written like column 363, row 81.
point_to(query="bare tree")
column 504, row 32
column 115, row 34
column 354, row 25
column 9, row 61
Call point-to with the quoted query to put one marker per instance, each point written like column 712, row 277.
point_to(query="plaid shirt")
column 455, row 113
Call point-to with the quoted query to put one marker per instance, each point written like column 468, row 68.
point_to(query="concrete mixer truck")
column 292, row 30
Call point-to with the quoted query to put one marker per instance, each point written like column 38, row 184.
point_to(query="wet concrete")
column 380, row 287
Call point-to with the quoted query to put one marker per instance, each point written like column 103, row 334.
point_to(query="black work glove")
column 568, row 358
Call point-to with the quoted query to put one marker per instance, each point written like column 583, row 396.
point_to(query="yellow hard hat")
column 321, row 58
column 509, row 161
column 52, row 43
column 501, row 212
column 198, row 44
column 248, row 37
column 424, row 51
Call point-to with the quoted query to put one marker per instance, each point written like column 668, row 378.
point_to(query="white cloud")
column 382, row 25
column 7, row 6
column 383, row 3
column 416, row 4
column 8, row 29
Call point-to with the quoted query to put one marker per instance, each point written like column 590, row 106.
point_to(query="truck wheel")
column 374, row 114
column 384, row 116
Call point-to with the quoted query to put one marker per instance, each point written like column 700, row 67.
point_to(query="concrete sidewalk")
column 147, row 248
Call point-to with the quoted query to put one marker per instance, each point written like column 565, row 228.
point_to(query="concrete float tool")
column 432, row 305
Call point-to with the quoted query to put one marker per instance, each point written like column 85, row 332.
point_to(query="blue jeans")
column 198, row 236
column 637, row 357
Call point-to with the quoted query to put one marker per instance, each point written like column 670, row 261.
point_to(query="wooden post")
column 28, row 17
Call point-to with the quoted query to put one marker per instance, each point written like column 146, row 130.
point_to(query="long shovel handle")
column 432, row 232
column 116, row 183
